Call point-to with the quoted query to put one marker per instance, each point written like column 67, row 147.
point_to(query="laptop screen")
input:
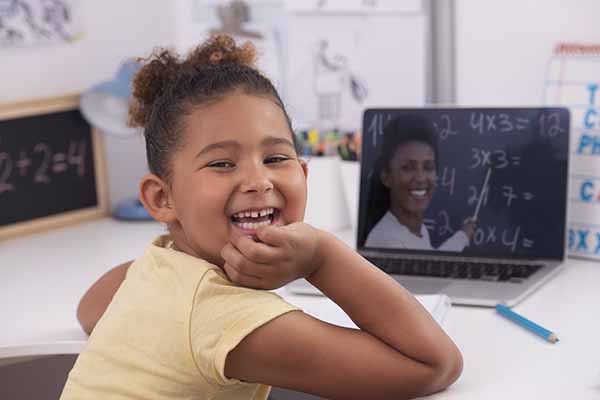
column 474, row 182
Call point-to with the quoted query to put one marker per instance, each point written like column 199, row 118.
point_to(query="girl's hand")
column 282, row 254
column 469, row 226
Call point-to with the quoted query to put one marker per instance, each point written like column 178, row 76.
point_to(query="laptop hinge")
column 449, row 257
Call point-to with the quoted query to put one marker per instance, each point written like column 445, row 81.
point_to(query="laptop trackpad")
column 421, row 286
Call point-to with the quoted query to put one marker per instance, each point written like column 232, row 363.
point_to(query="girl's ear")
column 156, row 197
column 304, row 166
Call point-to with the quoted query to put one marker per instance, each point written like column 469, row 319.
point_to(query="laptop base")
column 461, row 291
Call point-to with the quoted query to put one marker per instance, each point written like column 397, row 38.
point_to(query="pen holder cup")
column 326, row 204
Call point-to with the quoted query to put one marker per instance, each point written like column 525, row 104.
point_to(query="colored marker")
column 525, row 323
column 313, row 140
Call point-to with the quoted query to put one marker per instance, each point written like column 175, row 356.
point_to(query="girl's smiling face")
column 236, row 170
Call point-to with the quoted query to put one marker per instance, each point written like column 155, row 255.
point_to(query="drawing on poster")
column 232, row 18
column 38, row 22
column 333, row 76
column 341, row 62
column 258, row 22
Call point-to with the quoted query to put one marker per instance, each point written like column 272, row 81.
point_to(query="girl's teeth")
column 418, row 192
column 252, row 225
column 254, row 214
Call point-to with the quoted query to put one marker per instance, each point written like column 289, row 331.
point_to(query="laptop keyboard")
column 515, row 273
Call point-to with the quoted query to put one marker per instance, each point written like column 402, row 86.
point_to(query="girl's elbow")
column 458, row 366
column 448, row 370
column 431, row 379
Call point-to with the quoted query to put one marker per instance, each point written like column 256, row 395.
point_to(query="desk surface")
column 42, row 278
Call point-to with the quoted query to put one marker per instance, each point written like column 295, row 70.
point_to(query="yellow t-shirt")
column 168, row 331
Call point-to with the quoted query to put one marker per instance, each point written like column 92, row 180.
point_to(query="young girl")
column 189, row 321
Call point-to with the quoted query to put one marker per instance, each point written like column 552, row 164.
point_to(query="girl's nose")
column 256, row 181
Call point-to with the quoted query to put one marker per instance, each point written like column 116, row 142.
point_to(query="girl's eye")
column 221, row 164
column 276, row 159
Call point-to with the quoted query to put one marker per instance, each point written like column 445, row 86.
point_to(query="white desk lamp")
column 105, row 106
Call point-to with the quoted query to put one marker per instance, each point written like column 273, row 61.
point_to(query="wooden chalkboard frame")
column 47, row 106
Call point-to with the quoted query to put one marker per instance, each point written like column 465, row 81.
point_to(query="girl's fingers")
column 242, row 278
column 235, row 259
column 245, row 266
column 257, row 252
column 272, row 235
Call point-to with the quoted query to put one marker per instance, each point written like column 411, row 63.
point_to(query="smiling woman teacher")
column 403, row 184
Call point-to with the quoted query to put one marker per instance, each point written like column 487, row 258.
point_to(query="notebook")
column 326, row 310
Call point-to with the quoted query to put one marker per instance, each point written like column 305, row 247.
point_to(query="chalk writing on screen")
column 526, row 151
column 40, row 163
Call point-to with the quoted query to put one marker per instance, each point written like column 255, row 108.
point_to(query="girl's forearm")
column 380, row 306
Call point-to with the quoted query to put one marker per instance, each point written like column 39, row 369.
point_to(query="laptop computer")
column 468, row 202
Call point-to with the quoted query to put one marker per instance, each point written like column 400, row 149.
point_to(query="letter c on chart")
column 587, row 191
column 590, row 118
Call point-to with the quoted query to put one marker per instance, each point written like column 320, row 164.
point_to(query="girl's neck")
column 411, row 221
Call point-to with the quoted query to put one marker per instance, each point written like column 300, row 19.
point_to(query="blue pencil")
column 525, row 323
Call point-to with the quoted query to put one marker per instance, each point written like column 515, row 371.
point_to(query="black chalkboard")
column 48, row 166
column 526, row 151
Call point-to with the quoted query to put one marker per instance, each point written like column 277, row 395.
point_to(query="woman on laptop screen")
column 403, row 184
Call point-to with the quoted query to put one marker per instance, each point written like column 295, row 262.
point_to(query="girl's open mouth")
column 251, row 220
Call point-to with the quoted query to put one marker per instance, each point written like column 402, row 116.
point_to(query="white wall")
column 502, row 46
column 114, row 30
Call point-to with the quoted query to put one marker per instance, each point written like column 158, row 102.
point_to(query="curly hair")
column 167, row 88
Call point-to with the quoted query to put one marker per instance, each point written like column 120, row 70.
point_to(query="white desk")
column 42, row 278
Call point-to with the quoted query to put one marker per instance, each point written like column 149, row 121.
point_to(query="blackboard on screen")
column 525, row 151
column 51, row 168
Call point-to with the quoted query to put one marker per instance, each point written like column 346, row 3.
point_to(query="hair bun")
column 150, row 82
column 221, row 49
column 163, row 67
